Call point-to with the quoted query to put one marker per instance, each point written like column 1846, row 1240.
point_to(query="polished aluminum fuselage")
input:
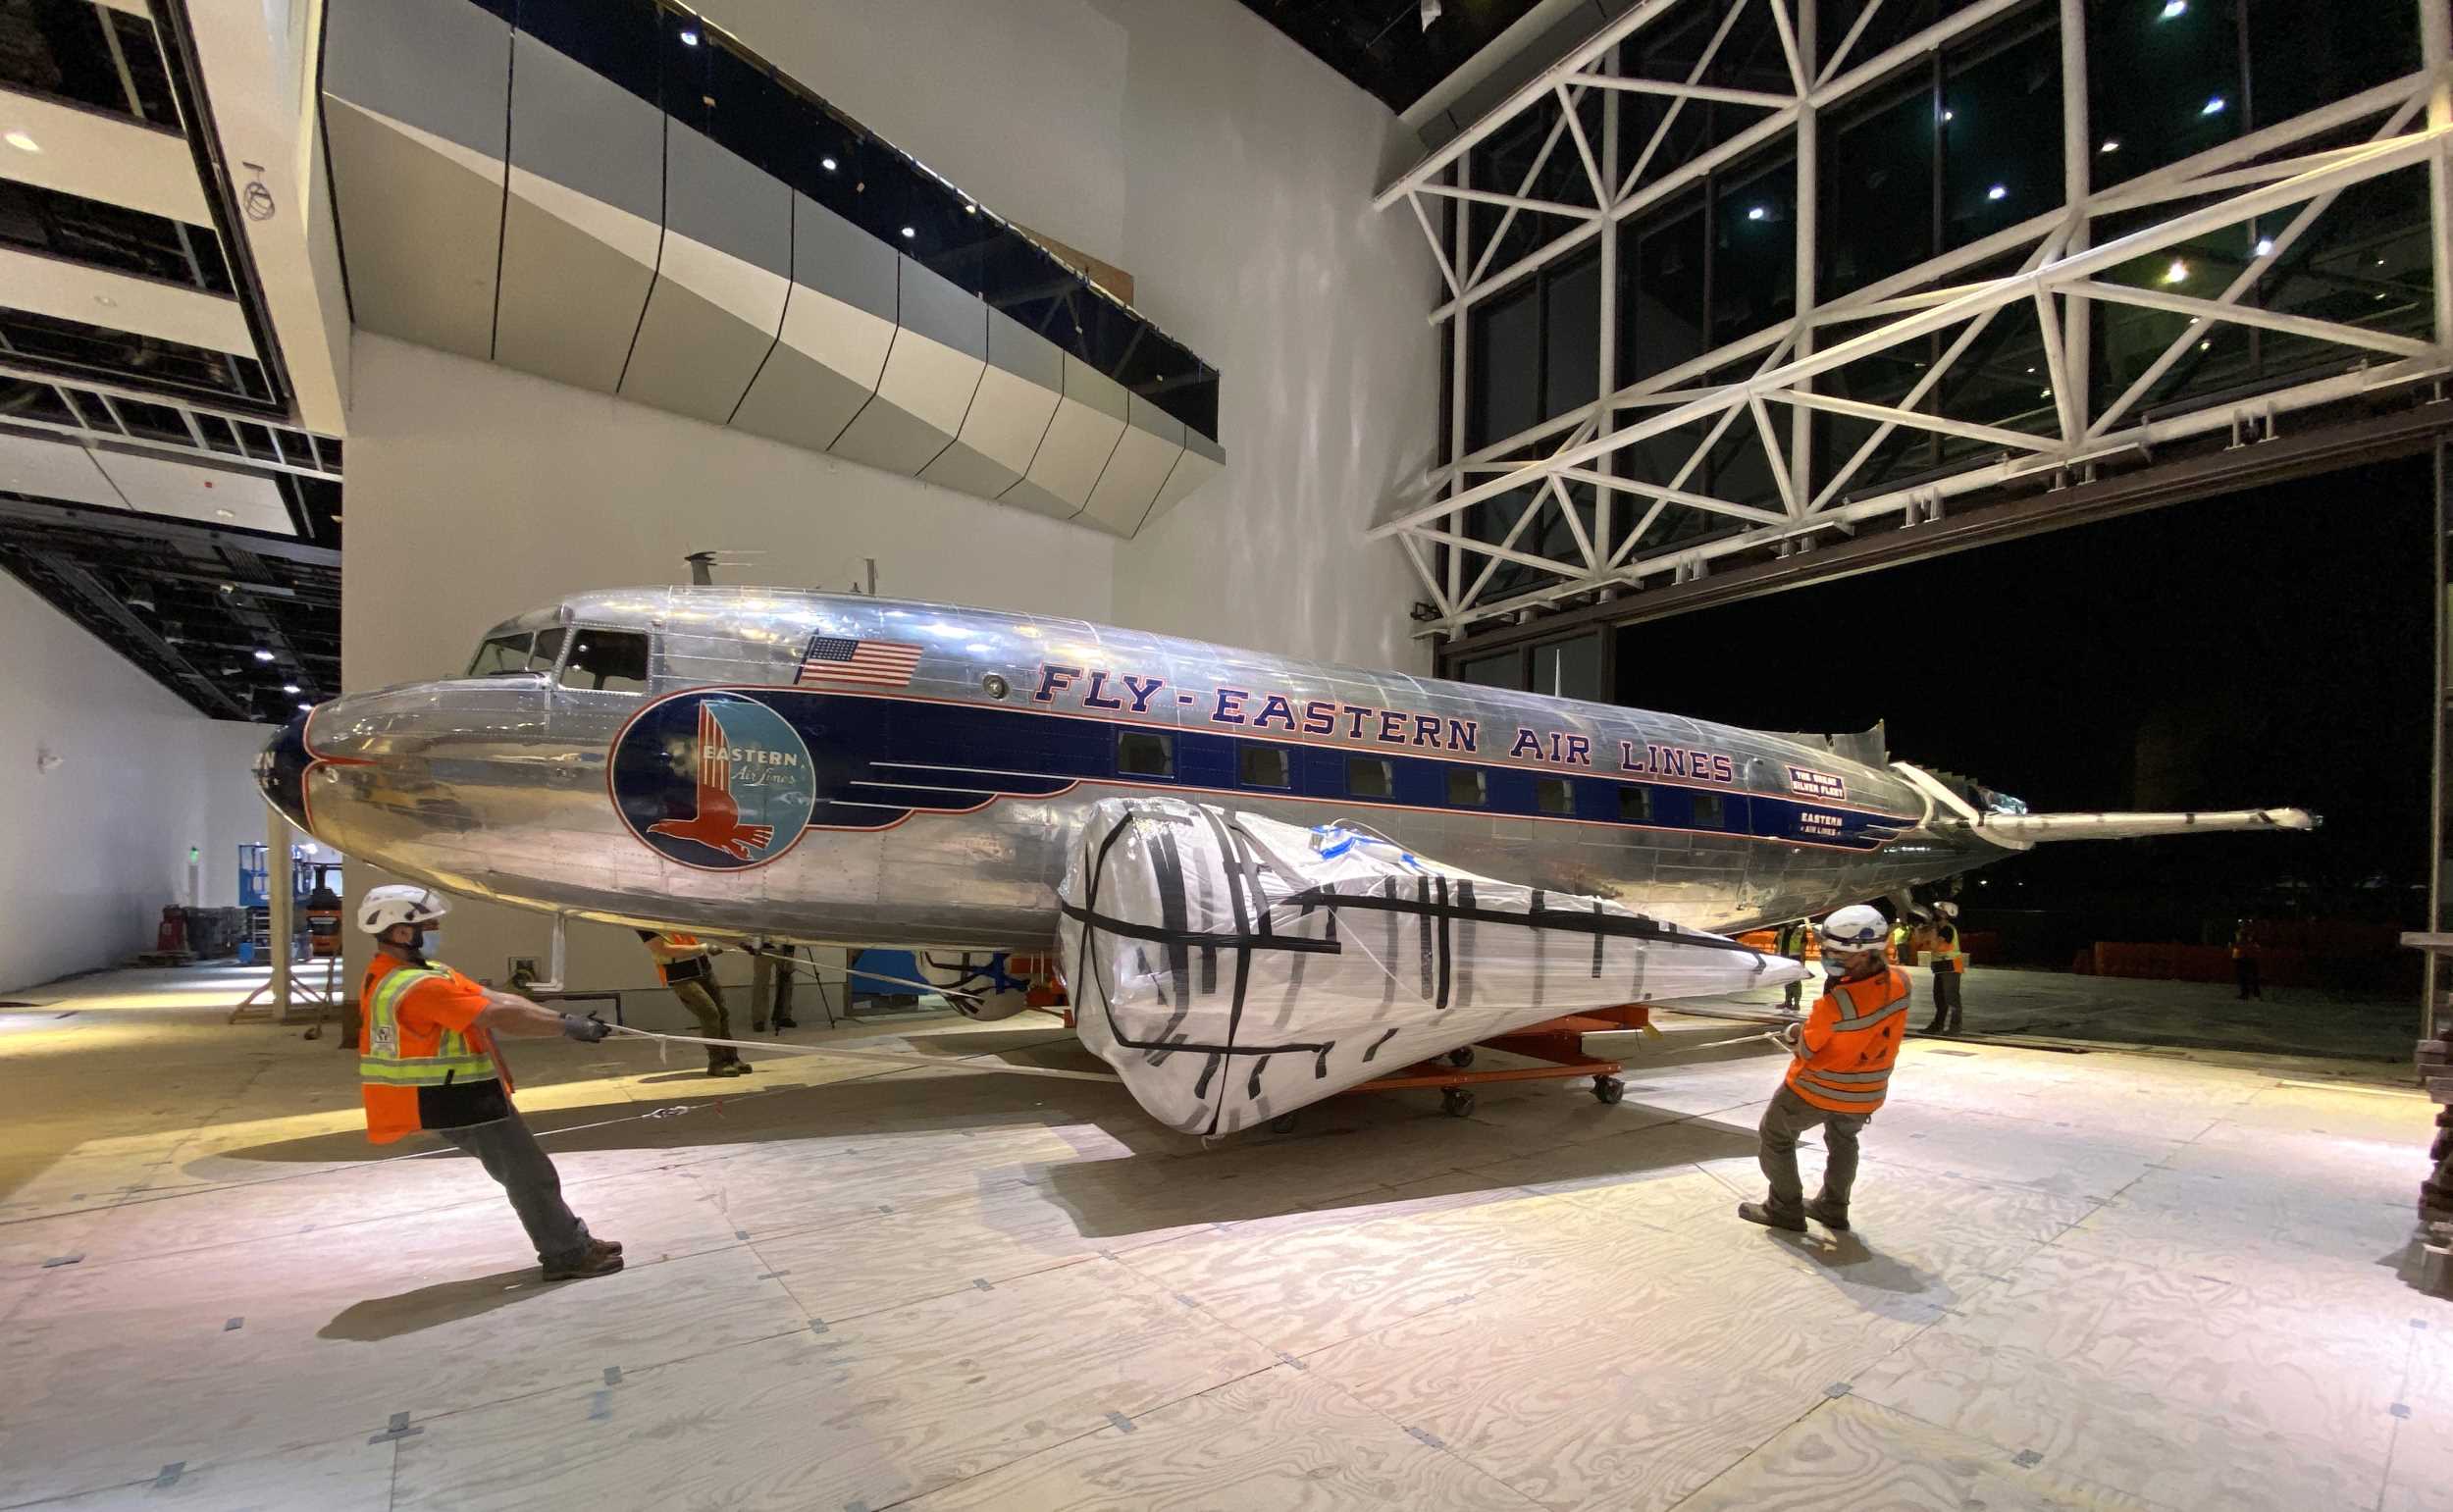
column 499, row 787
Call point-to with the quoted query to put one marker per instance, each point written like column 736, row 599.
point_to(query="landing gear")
column 1609, row 1089
column 1456, row 1103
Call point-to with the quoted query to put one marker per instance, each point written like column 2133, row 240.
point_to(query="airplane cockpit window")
column 548, row 651
column 606, row 660
column 501, row 655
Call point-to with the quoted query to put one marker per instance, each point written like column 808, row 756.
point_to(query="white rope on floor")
column 914, row 1061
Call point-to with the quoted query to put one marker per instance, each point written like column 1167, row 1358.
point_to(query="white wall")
column 1184, row 140
column 1195, row 146
column 96, row 846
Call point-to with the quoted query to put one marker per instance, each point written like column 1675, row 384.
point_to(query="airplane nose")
column 281, row 771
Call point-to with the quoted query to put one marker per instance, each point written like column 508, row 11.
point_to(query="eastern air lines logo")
column 713, row 781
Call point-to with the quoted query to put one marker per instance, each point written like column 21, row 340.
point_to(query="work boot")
column 1758, row 1213
column 786, row 1024
column 1832, row 1218
column 1954, row 1022
column 597, row 1259
column 1940, row 1026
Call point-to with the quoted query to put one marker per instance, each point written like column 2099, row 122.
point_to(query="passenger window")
column 1370, row 777
column 608, row 661
column 1635, row 805
column 548, row 651
column 501, row 656
column 1144, row 754
column 1708, row 811
column 1467, row 788
column 1551, row 794
column 1264, row 766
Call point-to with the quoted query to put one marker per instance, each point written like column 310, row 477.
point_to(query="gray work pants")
column 1789, row 1116
column 761, row 991
column 511, row 1156
column 704, row 998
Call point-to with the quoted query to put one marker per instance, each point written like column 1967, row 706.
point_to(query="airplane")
column 843, row 770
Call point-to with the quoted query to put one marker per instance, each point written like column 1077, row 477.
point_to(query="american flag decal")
column 839, row 661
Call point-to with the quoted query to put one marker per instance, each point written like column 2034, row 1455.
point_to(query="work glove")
column 586, row 1030
column 1790, row 1035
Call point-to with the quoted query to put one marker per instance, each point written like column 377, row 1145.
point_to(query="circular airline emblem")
column 714, row 780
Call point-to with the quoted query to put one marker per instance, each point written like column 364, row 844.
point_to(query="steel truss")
column 2411, row 121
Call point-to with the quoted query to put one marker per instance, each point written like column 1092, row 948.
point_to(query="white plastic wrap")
column 1233, row 968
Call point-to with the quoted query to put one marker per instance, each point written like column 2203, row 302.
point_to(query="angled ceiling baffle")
column 612, row 194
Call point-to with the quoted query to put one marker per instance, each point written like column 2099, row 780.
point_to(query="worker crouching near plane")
column 428, row 1063
column 1843, row 1053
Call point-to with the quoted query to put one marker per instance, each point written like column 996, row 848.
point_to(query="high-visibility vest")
column 1947, row 954
column 679, row 950
column 1861, row 1024
column 398, row 1058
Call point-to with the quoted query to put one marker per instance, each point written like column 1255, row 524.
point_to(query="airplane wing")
column 2018, row 831
column 1232, row 968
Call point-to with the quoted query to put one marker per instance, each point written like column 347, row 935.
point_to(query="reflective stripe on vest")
column 381, row 1061
column 1872, row 1099
column 1868, row 1020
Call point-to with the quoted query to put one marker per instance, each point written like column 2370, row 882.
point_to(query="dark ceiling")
column 1383, row 46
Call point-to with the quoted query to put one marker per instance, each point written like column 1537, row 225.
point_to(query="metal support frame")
column 2064, row 275
column 108, row 429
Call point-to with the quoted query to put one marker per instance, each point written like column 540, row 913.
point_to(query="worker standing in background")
column 1790, row 941
column 770, row 987
column 1842, row 1055
column 1901, row 933
column 686, row 963
column 430, row 1063
column 2244, row 961
column 1950, row 969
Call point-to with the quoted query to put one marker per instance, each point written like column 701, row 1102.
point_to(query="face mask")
column 428, row 941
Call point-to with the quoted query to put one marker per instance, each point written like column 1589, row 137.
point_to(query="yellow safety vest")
column 386, row 1061
column 1947, row 955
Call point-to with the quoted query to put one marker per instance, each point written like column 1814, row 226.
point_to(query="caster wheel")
column 1609, row 1089
column 1283, row 1124
column 1457, row 1103
column 1461, row 1059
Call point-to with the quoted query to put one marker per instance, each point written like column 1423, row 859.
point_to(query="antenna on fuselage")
column 703, row 564
column 867, row 586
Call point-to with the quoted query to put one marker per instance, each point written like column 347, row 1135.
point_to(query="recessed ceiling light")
column 2178, row 273
column 289, row 687
column 1756, row 213
column 21, row 142
column 690, row 39
column 1949, row 115
column 909, row 232
column 2206, row 346
column 2044, row 393
column 261, row 655
column 970, row 209
column 2265, row 247
column 306, row 709
column 2111, row 144
column 2213, row 107
column 226, row 514
column 2173, row 10
column 106, row 302
column 1998, row 191
column 827, row 164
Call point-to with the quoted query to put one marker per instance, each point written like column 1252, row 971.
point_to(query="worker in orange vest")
column 2244, row 964
column 1842, row 1055
column 429, row 1062
column 686, row 963
column 1950, row 969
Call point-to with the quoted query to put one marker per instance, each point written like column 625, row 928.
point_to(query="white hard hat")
column 1857, row 929
column 400, row 903
column 1947, row 910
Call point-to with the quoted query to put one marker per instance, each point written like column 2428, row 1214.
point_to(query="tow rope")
column 914, row 1061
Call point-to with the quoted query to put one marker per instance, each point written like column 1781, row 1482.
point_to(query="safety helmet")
column 1855, row 930
column 400, row 903
column 1947, row 910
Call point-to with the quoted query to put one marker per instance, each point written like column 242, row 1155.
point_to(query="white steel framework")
column 2405, row 124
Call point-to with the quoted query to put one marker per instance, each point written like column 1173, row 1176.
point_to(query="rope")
column 919, row 1062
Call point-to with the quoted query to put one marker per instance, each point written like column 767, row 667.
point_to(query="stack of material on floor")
column 2434, row 1058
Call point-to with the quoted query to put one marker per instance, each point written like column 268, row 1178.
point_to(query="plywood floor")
column 2078, row 1282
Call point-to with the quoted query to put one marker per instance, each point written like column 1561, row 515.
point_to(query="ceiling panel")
column 99, row 156
column 42, row 468
column 197, row 491
column 96, row 296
